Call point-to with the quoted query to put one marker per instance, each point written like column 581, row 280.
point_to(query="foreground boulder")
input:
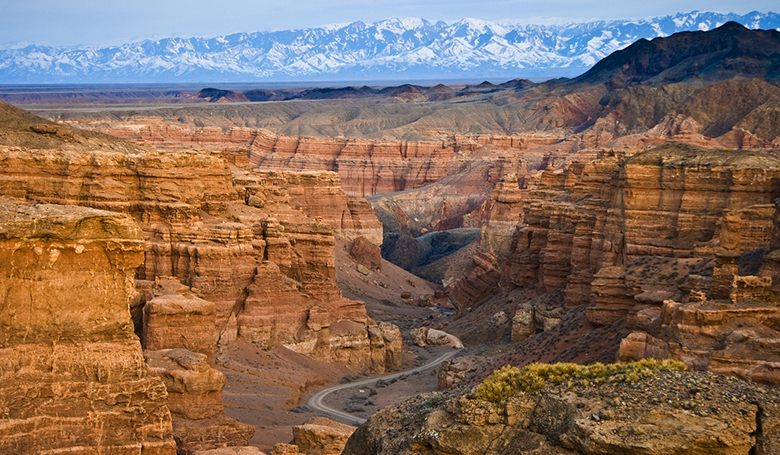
column 72, row 373
column 322, row 436
column 656, row 412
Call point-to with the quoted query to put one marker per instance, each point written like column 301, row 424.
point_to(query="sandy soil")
column 381, row 289
column 265, row 387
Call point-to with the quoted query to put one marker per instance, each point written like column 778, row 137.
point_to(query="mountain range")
column 391, row 49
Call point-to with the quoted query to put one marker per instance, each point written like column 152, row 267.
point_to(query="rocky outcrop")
column 725, row 322
column 285, row 449
column 217, row 233
column 670, row 413
column 195, row 400
column 321, row 436
column 505, row 214
column 194, row 388
column 454, row 371
column 247, row 450
column 73, row 374
column 318, row 195
column 386, row 341
column 366, row 253
column 736, row 338
column 665, row 202
column 333, row 329
column 646, row 282
column 533, row 317
column 175, row 318
column 155, row 187
column 478, row 282
column 167, row 193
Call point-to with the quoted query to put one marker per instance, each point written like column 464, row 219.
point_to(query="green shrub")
column 508, row 381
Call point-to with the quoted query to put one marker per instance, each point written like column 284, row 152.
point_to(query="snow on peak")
column 469, row 47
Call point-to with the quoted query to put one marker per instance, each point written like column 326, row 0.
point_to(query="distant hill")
column 392, row 49
column 19, row 128
column 729, row 51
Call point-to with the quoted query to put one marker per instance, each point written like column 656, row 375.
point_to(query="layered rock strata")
column 319, row 195
column 366, row 167
column 665, row 202
column 329, row 328
column 73, row 374
column 477, row 283
column 505, row 214
column 734, row 329
column 737, row 336
column 321, row 436
column 176, row 318
column 217, row 232
column 195, row 400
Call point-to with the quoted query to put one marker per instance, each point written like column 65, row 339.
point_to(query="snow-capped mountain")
column 391, row 49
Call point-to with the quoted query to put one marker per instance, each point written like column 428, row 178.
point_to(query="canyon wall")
column 218, row 232
column 365, row 166
column 319, row 195
column 73, row 373
column 733, row 328
column 612, row 211
column 680, row 243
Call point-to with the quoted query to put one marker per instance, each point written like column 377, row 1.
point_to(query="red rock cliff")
column 214, row 233
column 73, row 373
column 665, row 202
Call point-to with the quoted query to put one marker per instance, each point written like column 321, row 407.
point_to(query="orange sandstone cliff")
column 677, row 244
column 73, row 373
column 220, row 235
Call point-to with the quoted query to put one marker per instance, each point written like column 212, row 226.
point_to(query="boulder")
column 366, row 253
column 425, row 336
column 321, row 436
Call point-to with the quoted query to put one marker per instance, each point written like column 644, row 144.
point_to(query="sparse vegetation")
column 508, row 381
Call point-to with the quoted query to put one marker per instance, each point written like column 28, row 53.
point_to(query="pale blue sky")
column 67, row 22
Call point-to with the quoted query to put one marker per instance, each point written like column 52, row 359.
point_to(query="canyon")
column 217, row 255
column 626, row 214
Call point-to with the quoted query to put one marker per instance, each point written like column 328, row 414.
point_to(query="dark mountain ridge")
column 730, row 50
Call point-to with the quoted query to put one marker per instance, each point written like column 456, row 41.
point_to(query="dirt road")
column 315, row 402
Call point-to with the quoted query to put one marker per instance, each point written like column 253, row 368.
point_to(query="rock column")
column 72, row 373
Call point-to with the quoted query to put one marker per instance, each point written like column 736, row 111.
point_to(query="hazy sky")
column 66, row 22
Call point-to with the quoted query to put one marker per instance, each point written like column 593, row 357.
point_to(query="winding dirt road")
column 315, row 401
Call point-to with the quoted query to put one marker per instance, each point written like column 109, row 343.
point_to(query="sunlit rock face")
column 73, row 373
column 219, row 231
